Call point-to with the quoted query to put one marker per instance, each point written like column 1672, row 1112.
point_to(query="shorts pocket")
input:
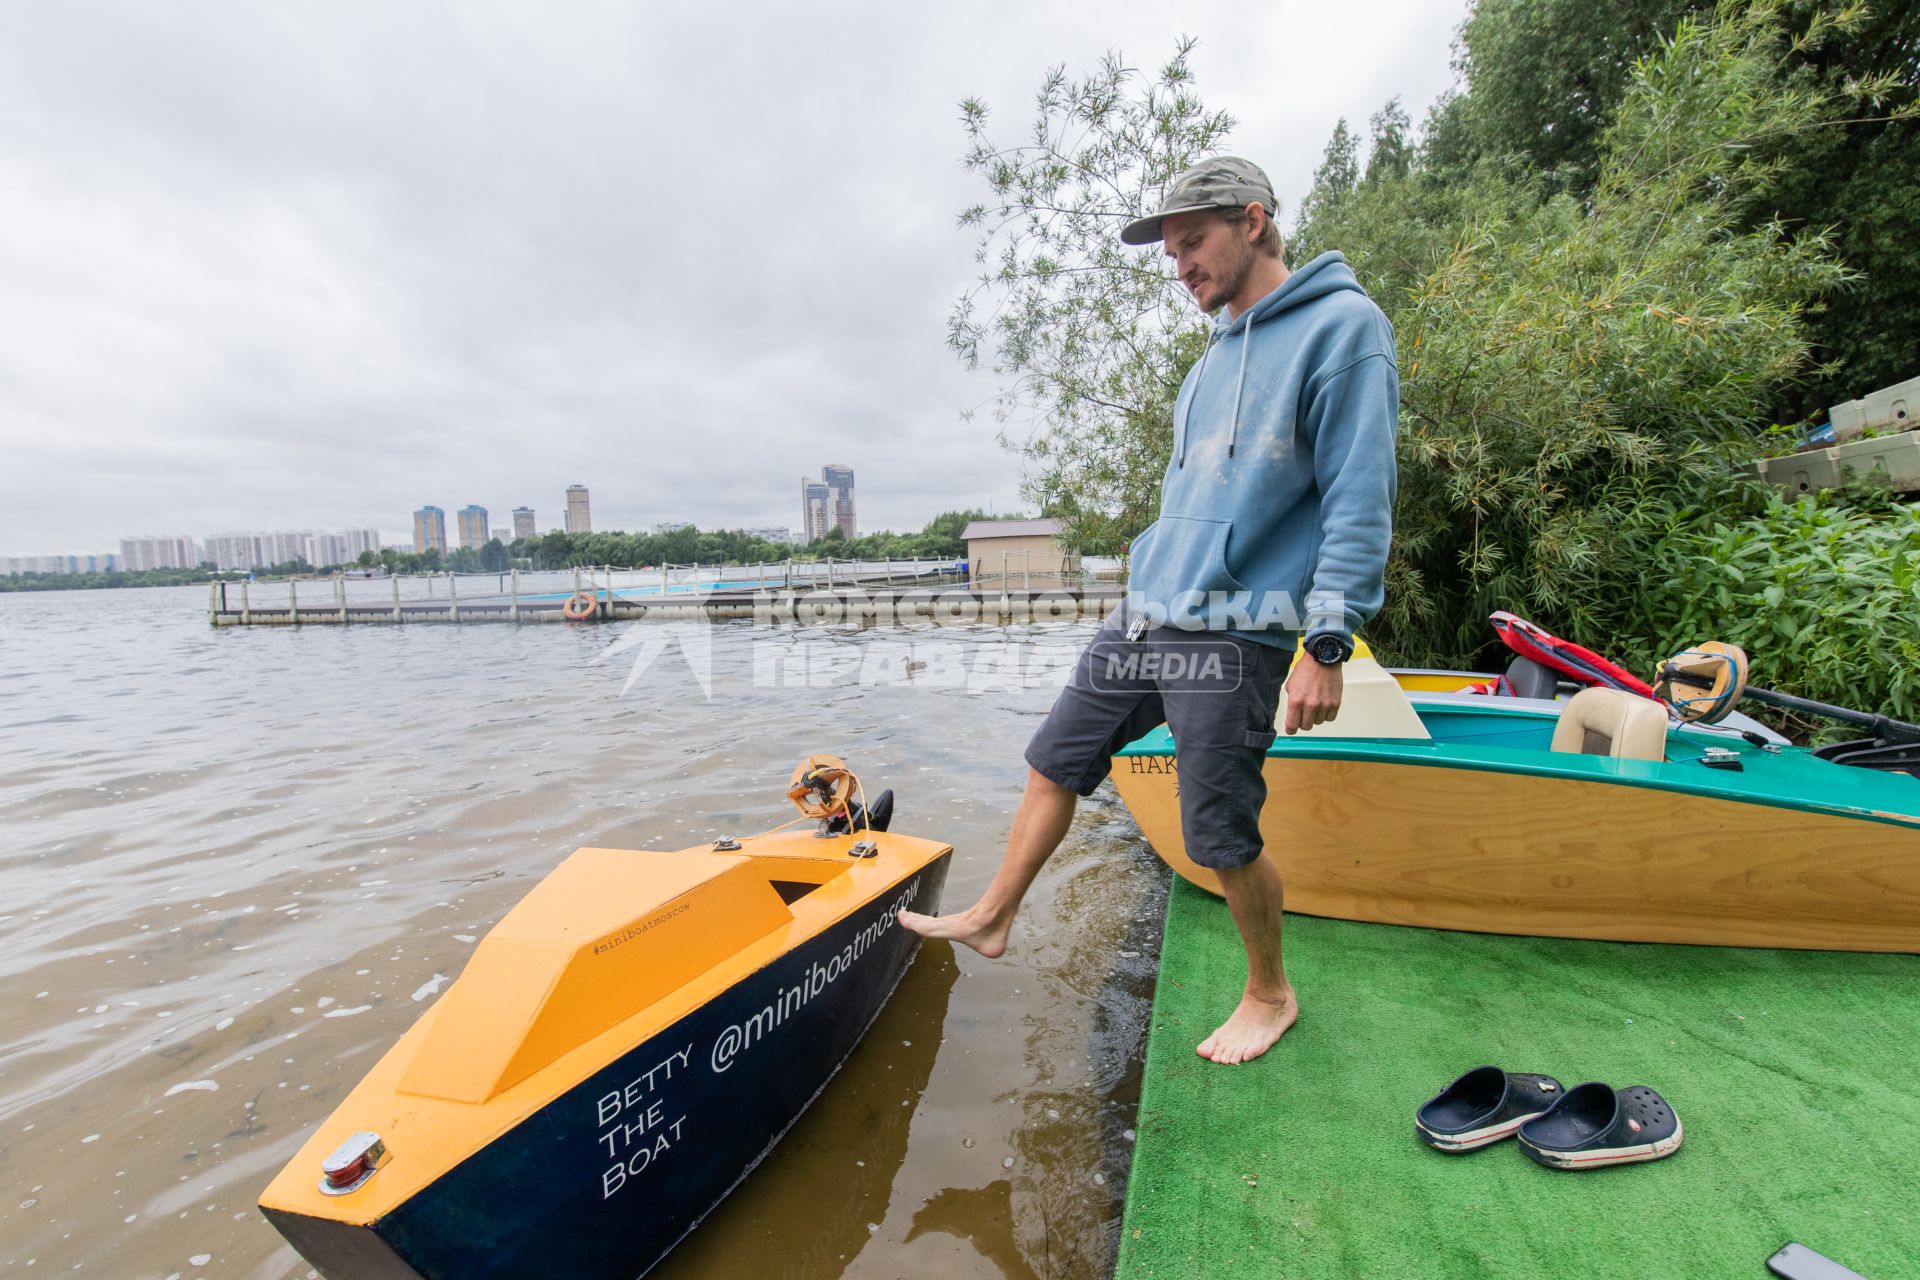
column 1262, row 675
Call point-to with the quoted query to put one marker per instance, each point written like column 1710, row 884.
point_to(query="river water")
column 238, row 863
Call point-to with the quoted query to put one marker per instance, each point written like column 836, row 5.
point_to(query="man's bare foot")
column 972, row 927
column 1252, row 1030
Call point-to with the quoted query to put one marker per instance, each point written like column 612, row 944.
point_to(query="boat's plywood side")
column 426, row 1136
column 1500, row 853
column 607, row 1178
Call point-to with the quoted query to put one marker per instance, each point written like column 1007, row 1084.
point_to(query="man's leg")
column 1267, row 1007
column 1108, row 701
column 1222, row 724
column 1039, row 825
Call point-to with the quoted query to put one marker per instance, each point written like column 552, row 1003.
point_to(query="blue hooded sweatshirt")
column 1277, row 507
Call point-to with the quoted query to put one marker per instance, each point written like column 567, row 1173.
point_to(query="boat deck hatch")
column 791, row 891
column 608, row 933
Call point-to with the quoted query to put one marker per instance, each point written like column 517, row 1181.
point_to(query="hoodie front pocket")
column 1191, row 555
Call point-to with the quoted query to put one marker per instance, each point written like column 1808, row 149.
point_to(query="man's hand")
column 1313, row 694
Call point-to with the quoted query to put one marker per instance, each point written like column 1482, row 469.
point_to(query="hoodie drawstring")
column 1233, row 430
column 1246, row 341
column 1180, row 430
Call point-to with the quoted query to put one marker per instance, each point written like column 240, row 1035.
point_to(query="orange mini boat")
column 623, row 1048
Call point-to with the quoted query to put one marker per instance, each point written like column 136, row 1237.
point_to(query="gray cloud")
column 313, row 265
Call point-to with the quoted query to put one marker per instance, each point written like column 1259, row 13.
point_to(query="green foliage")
column 1821, row 591
column 1330, row 202
column 1568, row 363
column 117, row 578
column 1093, row 337
column 1595, row 308
column 940, row 539
column 1548, row 76
column 399, row 562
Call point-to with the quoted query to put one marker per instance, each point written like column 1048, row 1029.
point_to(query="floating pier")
column 791, row 591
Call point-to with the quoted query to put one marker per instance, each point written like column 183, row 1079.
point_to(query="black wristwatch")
column 1328, row 649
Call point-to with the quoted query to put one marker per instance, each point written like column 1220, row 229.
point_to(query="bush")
column 1822, row 591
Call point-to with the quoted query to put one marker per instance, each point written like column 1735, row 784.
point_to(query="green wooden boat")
column 1590, row 814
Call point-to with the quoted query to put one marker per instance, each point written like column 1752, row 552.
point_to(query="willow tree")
column 1573, row 366
column 1089, row 336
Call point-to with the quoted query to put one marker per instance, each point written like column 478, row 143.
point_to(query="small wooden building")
column 1019, row 552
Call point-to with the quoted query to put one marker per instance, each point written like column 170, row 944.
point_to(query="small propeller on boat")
column 824, row 788
column 821, row 786
column 1703, row 683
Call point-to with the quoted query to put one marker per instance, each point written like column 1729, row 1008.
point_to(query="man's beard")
column 1231, row 283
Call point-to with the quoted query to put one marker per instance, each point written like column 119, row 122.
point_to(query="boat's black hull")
column 601, row 1183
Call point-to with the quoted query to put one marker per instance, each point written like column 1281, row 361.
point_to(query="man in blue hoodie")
column 1275, row 518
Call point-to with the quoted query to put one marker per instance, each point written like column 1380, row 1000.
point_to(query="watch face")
column 1326, row 650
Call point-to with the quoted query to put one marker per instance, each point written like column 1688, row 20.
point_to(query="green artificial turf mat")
column 1793, row 1073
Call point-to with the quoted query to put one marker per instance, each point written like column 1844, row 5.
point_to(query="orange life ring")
column 579, row 607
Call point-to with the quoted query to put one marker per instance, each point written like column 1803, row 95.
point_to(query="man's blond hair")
column 1270, row 241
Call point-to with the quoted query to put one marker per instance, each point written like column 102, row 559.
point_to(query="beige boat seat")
column 1612, row 722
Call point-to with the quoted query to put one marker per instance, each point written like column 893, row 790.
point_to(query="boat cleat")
column 352, row 1163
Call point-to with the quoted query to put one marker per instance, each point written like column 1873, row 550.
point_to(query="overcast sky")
column 281, row 265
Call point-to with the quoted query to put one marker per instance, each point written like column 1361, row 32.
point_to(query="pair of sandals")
column 1589, row 1126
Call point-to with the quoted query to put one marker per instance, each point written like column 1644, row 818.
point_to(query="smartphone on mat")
column 1797, row 1262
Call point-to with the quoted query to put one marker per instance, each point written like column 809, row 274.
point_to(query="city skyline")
column 249, row 549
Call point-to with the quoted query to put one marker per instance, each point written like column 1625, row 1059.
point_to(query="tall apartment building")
column 814, row 510
column 344, row 547
column 261, row 550
column 13, row 566
column 840, row 493
column 234, row 550
column 523, row 523
column 473, row 526
column 429, row 530
column 170, row 552
column 579, row 519
column 285, row 546
column 359, row 540
column 827, row 503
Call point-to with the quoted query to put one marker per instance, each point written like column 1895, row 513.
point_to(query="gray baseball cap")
column 1223, row 182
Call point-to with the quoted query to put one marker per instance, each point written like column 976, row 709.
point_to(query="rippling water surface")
column 238, row 863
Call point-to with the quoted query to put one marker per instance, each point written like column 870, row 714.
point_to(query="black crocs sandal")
column 1595, row 1125
column 1482, row 1107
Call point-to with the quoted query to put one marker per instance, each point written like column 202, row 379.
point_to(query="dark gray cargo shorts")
column 1217, row 693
